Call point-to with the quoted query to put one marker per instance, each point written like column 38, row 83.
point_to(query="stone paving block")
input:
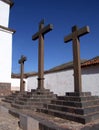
column 28, row 123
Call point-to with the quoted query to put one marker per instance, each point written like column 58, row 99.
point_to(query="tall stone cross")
column 76, row 33
column 40, row 35
column 21, row 62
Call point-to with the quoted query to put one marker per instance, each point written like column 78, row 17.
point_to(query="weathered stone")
column 76, row 33
column 5, row 89
column 22, row 82
column 40, row 35
column 82, row 111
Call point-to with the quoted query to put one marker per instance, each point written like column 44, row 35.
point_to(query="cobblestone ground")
column 7, row 121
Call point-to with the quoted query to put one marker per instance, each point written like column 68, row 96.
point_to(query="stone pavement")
column 7, row 121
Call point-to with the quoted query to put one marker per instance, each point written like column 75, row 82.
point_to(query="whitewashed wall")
column 5, row 44
column 15, row 84
column 61, row 82
column 31, row 83
column 4, row 13
column 90, row 79
column 5, row 55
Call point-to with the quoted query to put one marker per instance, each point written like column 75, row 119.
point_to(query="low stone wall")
column 5, row 89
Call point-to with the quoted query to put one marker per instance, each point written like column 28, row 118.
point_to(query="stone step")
column 70, row 116
column 32, row 106
column 78, row 107
column 14, row 96
column 40, row 96
column 80, row 111
column 78, row 94
column 20, row 106
column 78, row 99
column 76, row 104
column 7, row 100
column 34, row 99
column 40, row 92
column 30, row 102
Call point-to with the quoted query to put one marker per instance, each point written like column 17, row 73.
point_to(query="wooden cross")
column 76, row 33
column 21, row 62
column 40, row 35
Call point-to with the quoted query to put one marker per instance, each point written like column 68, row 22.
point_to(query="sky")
column 25, row 16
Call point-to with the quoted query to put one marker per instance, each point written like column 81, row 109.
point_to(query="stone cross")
column 76, row 33
column 40, row 35
column 21, row 62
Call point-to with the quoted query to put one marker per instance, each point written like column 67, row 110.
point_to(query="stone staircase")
column 34, row 99
column 79, row 107
column 12, row 97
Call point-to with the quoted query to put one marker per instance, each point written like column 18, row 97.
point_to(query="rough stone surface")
column 47, row 122
column 5, row 89
column 7, row 121
column 28, row 123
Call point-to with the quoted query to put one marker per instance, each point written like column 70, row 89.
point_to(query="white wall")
column 4, row 14
column 63, row 81
column 90, row 79
column 32, row 83
column 5, row 44
column 5, row 55
column 15, row 84
column 60, row 82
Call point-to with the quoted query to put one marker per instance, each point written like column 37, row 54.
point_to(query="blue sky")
column 25, row 16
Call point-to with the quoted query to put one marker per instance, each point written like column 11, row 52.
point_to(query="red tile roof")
column 93, row 61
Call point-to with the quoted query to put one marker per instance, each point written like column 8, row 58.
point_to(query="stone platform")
column 79, row 107
column 13, row 96
column 30, row 100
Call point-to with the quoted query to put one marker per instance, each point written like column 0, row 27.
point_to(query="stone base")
column 5, row 89
column 34, row 99
column 79, row 107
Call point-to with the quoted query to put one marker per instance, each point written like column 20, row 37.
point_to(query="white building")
column 5, row 47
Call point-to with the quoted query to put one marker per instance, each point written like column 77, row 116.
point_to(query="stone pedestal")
column 31, row 100
column 79, row 107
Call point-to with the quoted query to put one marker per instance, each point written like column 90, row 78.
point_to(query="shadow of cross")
column 76, row 33
column 40, row 35
column 21, row 62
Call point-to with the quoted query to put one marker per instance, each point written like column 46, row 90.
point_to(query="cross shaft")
column 76, row 33
column 40, row 35
column 21, row 62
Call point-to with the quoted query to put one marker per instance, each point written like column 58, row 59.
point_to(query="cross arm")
column 23, row 58
column 68, row 38
column 83, row 31
column 35, row 36
column 77, row 33
column 46, row 29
